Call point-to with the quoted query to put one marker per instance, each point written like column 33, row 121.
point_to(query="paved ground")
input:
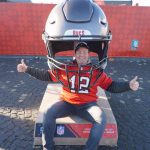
column 20, row 98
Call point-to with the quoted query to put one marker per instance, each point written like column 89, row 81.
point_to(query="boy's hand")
column 134, row 84
column 22, row 67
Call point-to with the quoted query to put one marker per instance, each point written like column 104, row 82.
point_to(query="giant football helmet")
column 75, row 21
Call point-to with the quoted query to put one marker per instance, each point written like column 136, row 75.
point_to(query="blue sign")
column 134, row 44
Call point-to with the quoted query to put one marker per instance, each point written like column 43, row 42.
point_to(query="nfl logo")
column 60, row 130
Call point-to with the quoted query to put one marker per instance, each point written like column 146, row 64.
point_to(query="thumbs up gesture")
column 22, row 67
column 134, row 84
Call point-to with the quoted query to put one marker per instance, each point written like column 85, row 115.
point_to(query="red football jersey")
column 80, row 84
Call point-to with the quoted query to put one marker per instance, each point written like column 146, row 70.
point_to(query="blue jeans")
column 90, row 111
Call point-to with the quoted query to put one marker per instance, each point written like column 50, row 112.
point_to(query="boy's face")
column 82, row 56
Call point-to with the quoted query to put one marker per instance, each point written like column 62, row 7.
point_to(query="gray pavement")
column 21, row 95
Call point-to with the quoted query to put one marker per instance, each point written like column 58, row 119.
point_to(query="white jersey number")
column 83, row 86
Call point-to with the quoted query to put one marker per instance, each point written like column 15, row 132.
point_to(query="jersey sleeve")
column 104, row 81
column 39, row 74
column 119, row 87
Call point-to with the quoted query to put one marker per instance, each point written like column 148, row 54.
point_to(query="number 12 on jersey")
column 83, row 84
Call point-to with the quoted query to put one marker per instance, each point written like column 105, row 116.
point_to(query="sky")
column 142, row 2
column 47, row 1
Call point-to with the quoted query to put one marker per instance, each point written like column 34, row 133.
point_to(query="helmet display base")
column 67, row 127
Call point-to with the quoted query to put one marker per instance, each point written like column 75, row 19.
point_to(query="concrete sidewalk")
column 21, row 95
